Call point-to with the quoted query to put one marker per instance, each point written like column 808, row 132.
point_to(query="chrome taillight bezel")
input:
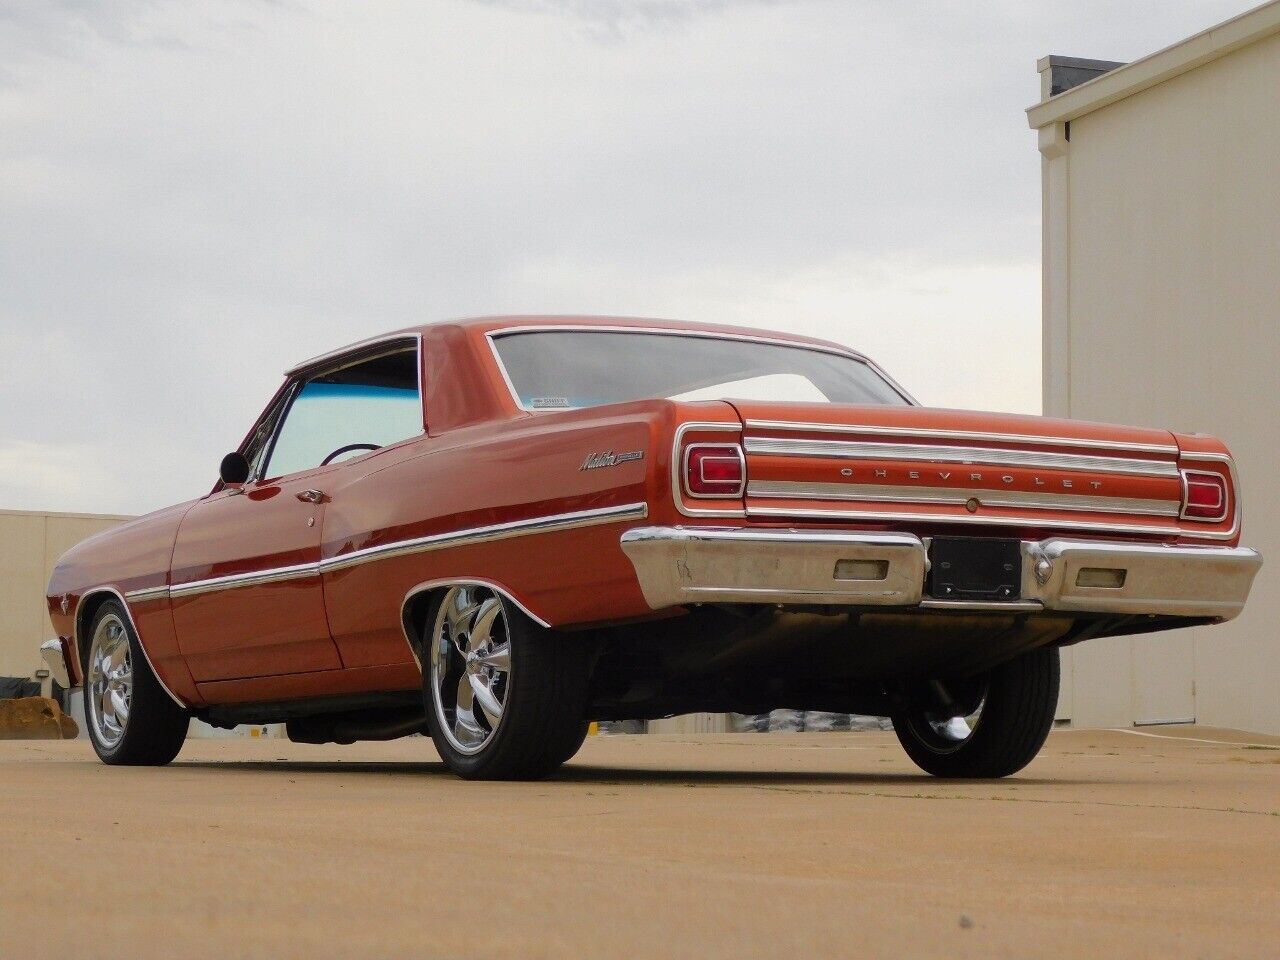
column 732, row 451
column 1218, row 481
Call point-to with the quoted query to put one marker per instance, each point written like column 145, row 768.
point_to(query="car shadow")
column 583, row 774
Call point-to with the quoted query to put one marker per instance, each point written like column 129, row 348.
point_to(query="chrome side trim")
column 499, row 531
column 870, row 492
column 677, row 461
column 1168, row 449
column 427, row 585
column 147, row 593
column 493, row 335
column 873, row 450
column 193, row 588
column 75, row 635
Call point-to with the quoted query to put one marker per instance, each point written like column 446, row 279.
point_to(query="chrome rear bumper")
column 54, row 654
column 684, row 565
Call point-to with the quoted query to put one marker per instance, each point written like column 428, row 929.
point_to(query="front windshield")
column 566, row 369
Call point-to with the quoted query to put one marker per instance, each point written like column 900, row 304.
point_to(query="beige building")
column 30, row 544
column 1162, row 308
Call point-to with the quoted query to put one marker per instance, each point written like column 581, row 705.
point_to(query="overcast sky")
column 194, row 195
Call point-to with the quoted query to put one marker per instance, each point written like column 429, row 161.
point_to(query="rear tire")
column 132, row 721
column 505, row 698
column 1016, row 716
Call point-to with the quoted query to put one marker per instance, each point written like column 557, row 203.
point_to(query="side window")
column 361, row 407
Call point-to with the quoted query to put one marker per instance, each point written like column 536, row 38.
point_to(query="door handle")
column 310, row 496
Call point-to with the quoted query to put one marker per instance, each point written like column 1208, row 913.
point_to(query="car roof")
column 511, row 322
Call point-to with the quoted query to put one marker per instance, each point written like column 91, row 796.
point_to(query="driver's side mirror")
column 234, row 469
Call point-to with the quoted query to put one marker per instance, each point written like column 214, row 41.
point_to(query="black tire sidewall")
column 1017, row 715
column 157, row 726
column 542, row 722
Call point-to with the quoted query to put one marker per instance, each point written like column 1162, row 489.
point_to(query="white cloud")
column 195, row 195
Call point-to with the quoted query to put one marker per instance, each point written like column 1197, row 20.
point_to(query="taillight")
column 715, row 470
column 1204, row 496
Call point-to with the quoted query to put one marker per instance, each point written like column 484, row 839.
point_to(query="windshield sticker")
column 549, row 403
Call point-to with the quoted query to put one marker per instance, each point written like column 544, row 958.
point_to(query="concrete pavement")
column 1111, row 844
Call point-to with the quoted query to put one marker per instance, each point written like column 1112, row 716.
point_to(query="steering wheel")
column 347, row 449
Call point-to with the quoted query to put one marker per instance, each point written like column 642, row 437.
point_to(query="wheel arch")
column 91, row 601
column 420, row 598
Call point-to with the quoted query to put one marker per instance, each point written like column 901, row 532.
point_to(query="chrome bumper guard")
column 685, row 565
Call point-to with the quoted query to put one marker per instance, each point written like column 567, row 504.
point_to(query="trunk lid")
column 909, row 465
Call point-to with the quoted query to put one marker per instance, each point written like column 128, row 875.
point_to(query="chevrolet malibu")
column 497, row 530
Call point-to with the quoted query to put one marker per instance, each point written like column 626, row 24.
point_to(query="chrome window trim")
column 677, row 462
column 75, row 635
column 553, row 523
column 358, row 353
column 360, row 345
column 738, row 455
column 958, row 496
column 926, row 453
column 494, row 335
column 1168, row 449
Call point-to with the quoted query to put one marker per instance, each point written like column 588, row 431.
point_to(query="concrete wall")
column 30, row 544
column 1162, row 308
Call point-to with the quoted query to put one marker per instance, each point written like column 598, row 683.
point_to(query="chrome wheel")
column 470, row 656
column 110, row 681
column 943, row 732
column 954, row 729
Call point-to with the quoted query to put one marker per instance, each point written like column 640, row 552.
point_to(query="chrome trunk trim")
column 958, row 496
column 875, row 450
column 1168, row 449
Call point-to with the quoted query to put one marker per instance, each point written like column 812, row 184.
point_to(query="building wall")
column 1162, row 308
column 30, row 544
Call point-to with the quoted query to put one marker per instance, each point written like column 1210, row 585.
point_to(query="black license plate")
column 975, row 568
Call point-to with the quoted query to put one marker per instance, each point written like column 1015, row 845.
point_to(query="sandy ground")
column 1111, row 844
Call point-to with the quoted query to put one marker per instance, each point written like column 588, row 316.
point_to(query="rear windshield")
column 565, row 369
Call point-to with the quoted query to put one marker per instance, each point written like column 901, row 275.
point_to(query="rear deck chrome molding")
column 876, row 450
column 678, row 566
column 958, row 496
column 1168, row 449
column 499, row 531
column 875, row 516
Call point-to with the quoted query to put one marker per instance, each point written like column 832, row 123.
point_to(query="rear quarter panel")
column 524, row 468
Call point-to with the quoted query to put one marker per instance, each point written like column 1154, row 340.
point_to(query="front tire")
column 132, row 721
column 505, row 697
column 1015, row 704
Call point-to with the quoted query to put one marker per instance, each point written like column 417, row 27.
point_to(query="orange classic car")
column 498, row 530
